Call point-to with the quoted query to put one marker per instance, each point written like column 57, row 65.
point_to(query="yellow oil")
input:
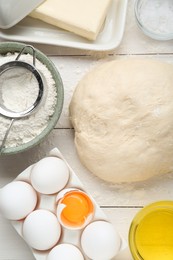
column 154, row 235
column 151, row 232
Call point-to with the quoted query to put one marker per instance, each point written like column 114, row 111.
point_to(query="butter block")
column 82, row 17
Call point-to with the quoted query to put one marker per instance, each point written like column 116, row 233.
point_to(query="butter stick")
column 82, row 17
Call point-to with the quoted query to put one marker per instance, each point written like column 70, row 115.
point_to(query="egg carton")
column 48, row 202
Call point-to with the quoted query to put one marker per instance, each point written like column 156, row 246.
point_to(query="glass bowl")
column 151, row 232
column 12, row 47
column 155, row 18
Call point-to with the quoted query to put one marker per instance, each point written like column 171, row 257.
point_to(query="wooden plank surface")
column 119, row 202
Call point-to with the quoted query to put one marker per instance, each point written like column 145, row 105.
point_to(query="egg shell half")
column 75, row 208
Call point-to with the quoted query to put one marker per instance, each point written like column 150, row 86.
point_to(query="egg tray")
column 48, row 202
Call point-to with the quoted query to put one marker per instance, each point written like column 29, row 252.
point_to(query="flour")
column 18, row 99
column 19, row 89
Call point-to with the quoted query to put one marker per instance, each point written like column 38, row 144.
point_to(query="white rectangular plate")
column 35, row 31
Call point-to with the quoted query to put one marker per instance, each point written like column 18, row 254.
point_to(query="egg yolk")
column 78, row 208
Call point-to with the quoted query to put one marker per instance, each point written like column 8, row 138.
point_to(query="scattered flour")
column 17, row 99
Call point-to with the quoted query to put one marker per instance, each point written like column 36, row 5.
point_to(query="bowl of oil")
column 151, row 232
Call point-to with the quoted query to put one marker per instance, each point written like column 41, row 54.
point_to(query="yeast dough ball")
column 122, row 113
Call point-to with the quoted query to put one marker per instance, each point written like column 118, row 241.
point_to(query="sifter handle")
column 6, row 135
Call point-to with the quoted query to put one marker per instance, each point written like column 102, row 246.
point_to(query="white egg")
column 65, row 252
column 49, row 175
column 41, row 229
column 17, row 200
column 99, row 240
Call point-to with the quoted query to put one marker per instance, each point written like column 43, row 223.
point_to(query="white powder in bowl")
column 17, row 99
column 157, row 15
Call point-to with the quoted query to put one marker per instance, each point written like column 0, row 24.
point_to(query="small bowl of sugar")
column 19, row 91
column 155, row 18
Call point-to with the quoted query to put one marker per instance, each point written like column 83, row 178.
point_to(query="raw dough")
column 122, row 113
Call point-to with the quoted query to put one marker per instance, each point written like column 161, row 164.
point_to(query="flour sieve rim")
column 12, row 64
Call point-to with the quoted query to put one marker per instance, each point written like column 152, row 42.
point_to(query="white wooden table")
column 119, row 202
